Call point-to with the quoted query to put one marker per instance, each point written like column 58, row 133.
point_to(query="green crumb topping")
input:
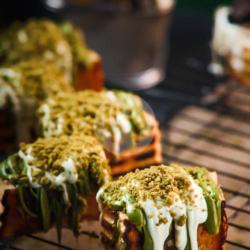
column 49, row 154
column 182, row 220
column 31, row 81
column 159, row 184
column 82, row 55
column 53, row 176
column 105, row 114
column 42, row 39
column 162, row 220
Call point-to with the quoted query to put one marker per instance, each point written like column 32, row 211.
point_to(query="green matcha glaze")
column 138, row 218
column 188, row 246
column 60, row 44
column 212, row 194
column 148, row 242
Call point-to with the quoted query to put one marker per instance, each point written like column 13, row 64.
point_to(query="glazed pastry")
column 23, row 87
column 60, row 44
column 50, row 182
column 163, row 207
column 231, row 44
column 130, row 135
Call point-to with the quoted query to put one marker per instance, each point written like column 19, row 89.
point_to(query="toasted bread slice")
column 92, row 77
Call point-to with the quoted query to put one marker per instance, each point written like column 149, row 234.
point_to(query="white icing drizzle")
column 181, row 231
column 124, row 123
column 117, row 137
column 27, row 158
column 120, row 129
column 196, row 214
column 229, row 39
column 158, row 232
column 51, row 128
column 70, row 171
column 10, row 91
column 69, row 175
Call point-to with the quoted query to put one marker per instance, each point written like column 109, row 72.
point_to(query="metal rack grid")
column 212, row 134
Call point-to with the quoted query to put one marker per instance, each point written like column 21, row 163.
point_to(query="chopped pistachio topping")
column 33, row 81
column 41, row 39
column 104, row 114
column 49, row 156
column 158, row 184
column 62, row 45
column 54, row 162
column 81, row 54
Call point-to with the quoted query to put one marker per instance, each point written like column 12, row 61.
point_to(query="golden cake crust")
column 139, row 156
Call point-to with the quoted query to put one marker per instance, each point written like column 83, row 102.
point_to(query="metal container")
column 131, row 36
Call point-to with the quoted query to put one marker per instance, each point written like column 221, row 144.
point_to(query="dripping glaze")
column 196, row 214
column 69, row 175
